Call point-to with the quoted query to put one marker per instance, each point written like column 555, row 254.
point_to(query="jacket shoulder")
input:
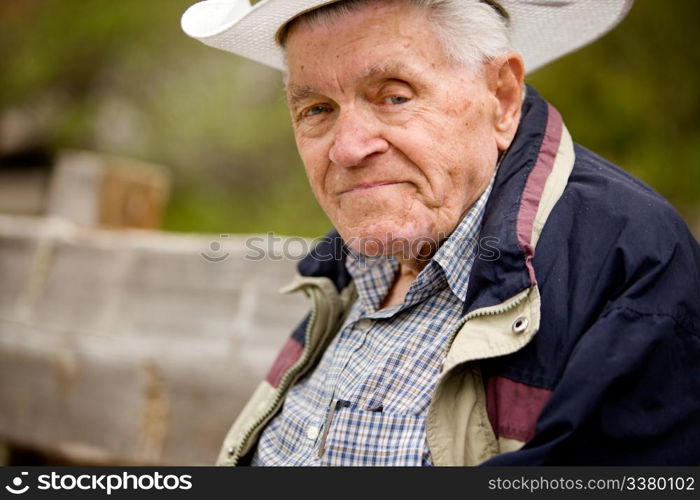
column 602, row 186
column 614, row 238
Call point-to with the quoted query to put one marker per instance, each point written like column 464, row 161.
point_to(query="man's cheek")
column 314, row 175
column 323, row 194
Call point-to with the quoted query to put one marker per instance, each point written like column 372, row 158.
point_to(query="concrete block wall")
column 124, row 347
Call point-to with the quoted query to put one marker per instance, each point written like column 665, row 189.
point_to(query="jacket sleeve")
column 628, row 392
column 630, row 395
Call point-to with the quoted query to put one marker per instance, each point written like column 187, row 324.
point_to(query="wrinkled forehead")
column 363, row 51
column 366, row 45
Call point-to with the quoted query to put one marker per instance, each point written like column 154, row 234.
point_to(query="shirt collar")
column 373, row 277
column 456, row 255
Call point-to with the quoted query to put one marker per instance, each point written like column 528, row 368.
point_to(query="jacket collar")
column 504, row 264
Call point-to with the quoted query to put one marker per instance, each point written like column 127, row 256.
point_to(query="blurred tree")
column 634, row 97
column 120, row 77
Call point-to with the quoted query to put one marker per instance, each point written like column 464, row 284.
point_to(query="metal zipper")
column 484, row 311
column 281, row 389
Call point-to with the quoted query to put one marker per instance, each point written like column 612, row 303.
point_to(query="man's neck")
column 409, row 268
column 398, row 290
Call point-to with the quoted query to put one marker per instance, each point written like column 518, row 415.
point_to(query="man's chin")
column 369, row 246
column 399, row 244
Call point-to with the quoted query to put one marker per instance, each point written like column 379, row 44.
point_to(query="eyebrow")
column 389, row 68
column 297, row 93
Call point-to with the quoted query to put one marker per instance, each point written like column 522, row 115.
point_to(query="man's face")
column 398, row 141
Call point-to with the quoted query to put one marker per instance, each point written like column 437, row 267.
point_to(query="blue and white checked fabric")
column 366, row 402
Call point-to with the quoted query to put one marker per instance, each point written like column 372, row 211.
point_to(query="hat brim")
column 540, row 30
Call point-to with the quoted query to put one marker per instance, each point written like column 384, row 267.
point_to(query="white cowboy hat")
column 541, row 30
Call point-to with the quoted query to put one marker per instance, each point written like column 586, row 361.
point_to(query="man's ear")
column 506, row 75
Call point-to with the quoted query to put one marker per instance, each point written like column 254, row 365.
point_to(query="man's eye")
column 316, row 110
column 397, row 99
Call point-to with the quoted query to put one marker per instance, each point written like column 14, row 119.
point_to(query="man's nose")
column 356, row 138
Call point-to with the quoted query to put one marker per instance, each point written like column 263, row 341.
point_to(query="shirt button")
column 312, row 432
column 364, row 323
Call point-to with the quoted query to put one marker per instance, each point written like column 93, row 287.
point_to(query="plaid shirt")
column 367, row 400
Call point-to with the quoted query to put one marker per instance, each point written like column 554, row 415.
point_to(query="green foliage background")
column 120, row 77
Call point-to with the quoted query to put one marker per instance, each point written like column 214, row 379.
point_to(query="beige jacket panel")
column 329, row 308
column 458, row 428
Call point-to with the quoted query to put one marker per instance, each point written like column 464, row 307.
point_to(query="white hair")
column 470, row 31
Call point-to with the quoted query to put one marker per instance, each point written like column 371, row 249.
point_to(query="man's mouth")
column 365, row 186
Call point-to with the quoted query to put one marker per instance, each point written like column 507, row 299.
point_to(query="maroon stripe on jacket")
column 513, row 408
column 290, row 354
column 535, row 185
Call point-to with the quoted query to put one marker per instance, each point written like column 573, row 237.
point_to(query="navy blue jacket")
column 618, row 349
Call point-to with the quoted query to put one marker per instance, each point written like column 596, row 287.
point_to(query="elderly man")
column 494, row 293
